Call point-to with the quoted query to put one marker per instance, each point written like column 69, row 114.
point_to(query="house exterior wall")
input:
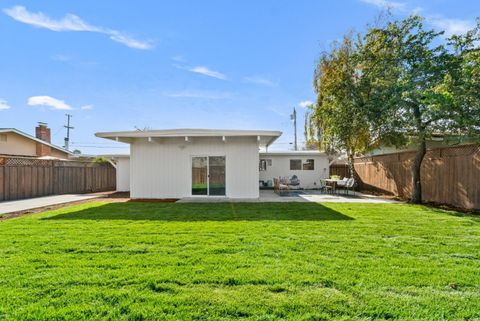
column 58, row 154
column 123, row 174
column 162, row 168
column 17, row 145
column 308, row 178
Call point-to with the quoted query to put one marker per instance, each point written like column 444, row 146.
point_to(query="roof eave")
column 19, row 132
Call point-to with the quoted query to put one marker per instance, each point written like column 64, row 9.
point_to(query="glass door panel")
column 199, row 176
column 216, row 174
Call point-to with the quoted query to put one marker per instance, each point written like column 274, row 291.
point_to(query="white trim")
column 266, row 137
column 293, row 153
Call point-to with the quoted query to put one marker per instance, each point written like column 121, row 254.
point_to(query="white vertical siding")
column 123, row 174
column 308, row 178
column 162, row 168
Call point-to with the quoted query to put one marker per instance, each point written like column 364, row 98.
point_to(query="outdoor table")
column 333, row 183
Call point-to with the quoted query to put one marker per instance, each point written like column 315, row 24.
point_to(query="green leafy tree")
column 462, row 86
column 418, row 86
column 339, row 120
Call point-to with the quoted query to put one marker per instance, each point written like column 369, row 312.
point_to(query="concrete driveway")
column 32, row 203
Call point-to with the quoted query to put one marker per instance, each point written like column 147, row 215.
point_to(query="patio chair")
column 342, row 182
column 293, row 182
column 325, row 188
column 349, row 185
column 278, row 187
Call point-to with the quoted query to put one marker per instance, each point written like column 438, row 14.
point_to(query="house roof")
column 115, row 155
column 19, row 132
column 293, row 153
column 266, row 137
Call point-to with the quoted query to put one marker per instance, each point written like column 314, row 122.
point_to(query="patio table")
column 332, row 182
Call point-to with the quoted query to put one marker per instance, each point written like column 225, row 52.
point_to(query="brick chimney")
column 42, row 132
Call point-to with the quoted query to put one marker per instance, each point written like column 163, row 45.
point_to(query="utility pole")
column 68, row 127
column 294, row 118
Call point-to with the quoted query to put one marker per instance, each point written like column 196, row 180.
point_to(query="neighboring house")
column 14, row 142
column 194, row 162
column 308, row 166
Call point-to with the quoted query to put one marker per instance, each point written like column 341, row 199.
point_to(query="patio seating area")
column 334, row 185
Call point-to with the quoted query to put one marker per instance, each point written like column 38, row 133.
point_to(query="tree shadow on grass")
column 192, row 212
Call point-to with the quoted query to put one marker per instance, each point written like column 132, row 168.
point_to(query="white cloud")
column 208, row 72
column 71, row 22
column 87, row 107
column 205, row 94
column 452, row 26
column 384, row 4
column 129, row 41
column 4, row 104
column 305, row 103
column 178, row 58
column 260, row 81
column 60, row 57
column 48, row 101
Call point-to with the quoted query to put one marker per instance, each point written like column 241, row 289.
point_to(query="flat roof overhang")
column 264, row 137
column 293, row 153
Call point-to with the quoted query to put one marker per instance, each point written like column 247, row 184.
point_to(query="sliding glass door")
column 199, row 175
column 216, row 175
column 208, row 175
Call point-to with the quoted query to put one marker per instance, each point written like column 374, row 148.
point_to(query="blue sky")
column 115, row 65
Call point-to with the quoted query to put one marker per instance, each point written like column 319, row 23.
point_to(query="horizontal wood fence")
column 217, row 175
column 339, row 170
column 450, row 175
column 27, row 177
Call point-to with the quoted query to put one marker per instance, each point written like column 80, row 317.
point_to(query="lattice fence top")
column 462, row 150
column 25, row 161
column 452, row 151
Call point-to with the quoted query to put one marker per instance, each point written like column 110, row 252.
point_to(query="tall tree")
column 339, row 118
column 416, row 86
column 462, row 86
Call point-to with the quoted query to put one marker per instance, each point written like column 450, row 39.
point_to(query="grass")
column 254, row 261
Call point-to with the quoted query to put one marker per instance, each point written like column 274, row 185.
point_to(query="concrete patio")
column 38, row 202
column 303, row 196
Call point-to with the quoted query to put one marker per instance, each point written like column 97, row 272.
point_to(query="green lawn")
column 295, row 261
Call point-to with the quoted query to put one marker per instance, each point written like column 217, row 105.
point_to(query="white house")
column 308, row 166
column 181, row 163
column 122, row 167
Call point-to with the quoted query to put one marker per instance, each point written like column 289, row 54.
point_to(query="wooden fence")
column 27, row 177
column 339, row 170
column 450, row 175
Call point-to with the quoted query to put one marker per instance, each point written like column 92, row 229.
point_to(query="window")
column 264, row 163
column 3, row 137
column 295, row 164
column 309, row 165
